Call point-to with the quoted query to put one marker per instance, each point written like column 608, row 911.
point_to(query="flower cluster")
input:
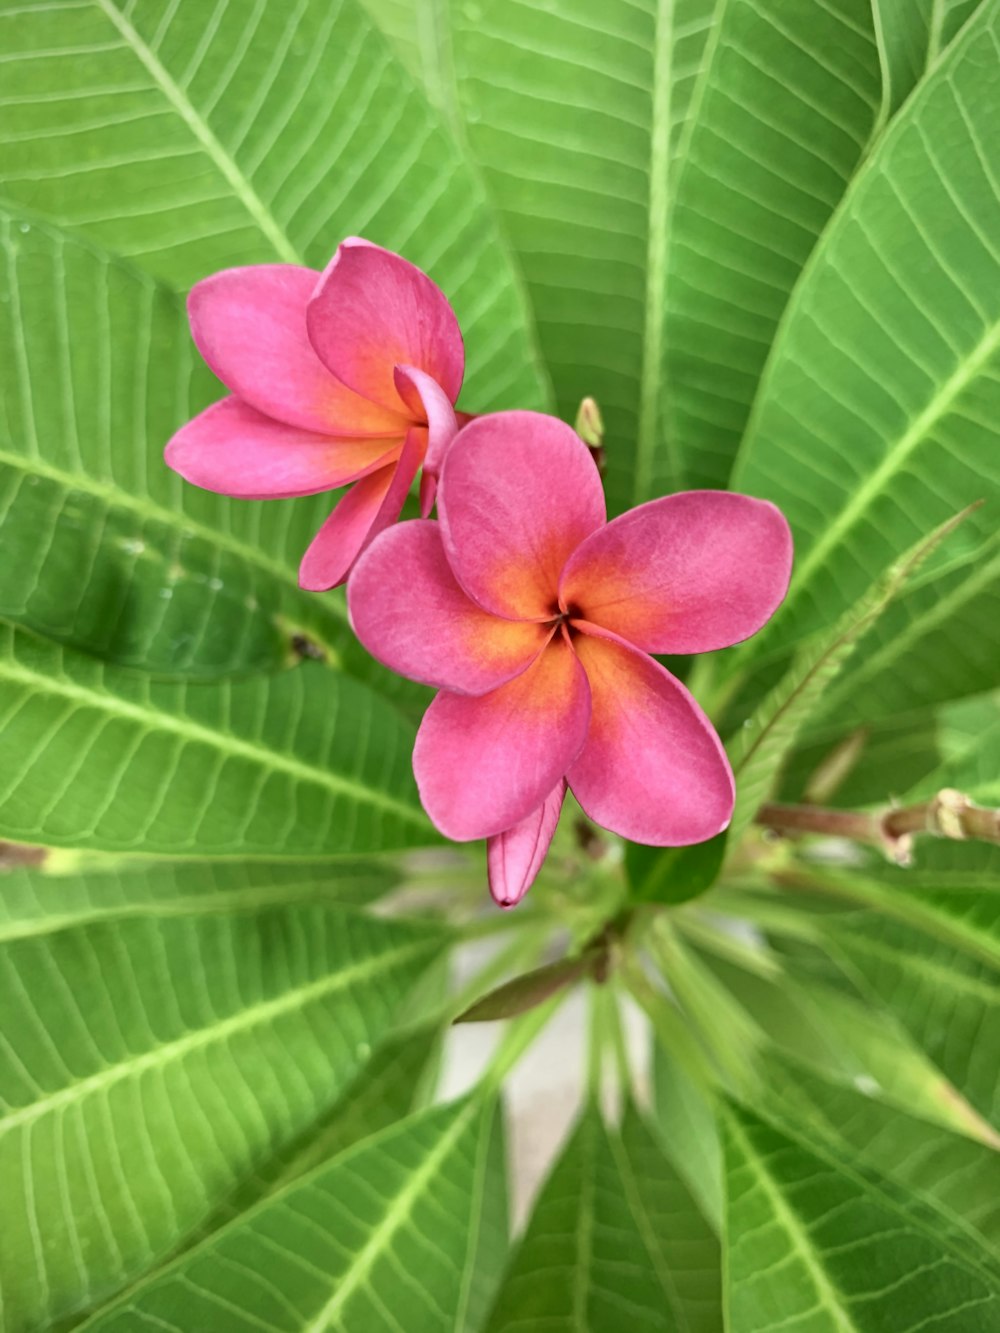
column 532, row 614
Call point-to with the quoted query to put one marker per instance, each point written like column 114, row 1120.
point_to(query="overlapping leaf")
column 203, row 136
column 35, row 900
column 150, row 1063
column 876, row 418
column 615, row 1240
column 818, row 1246
column 947, row 998
column 664, row 172
column 962, row 1176
column 308, row 763
column 383, row 1237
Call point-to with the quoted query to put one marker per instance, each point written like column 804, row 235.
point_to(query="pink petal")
column 428, row 402
column 410, row 613
column 519, row 492
column 484, row 764
column 652, row 769
column 361, row 515
column 250, row 326
column 373, row 311
column 515, row 856
column 234, row 450
column 686, row 574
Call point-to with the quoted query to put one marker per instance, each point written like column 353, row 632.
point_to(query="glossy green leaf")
column 876, row 419
column 817, row 1246
column 837, row 1035
column 663, row 172
column 947, row 999
column 385, row 1090
column 962, row 1176
column 35, row 900
column 674, row 874
column 615, row 1240
column 304, row 764
column 203, row 136
column 912, row 34
column 151, row 1063
column 970, row 740
column 684, row 1120
column 107, row 549
column 939, row 641
column 382, row 1237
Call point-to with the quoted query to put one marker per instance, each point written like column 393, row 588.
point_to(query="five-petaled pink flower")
column 350, row 375
column 536, row 617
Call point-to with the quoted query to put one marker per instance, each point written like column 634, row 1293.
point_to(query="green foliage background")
column 765, row 235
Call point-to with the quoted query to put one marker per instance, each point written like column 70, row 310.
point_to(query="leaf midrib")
column 877, row 483
column 255, row 1015
column 234, row 175
column 828, row 1294
column 395, row 1216
column 154, row 719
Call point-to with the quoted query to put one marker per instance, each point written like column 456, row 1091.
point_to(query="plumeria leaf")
column 912, row 37
column 684, row 1121
column 614, row 1238
column 946, row 998
column 388, row 1226
column 68, row 889
column 108, row 550
column 183, row 1052
column 308, row 763
column 386, row 1090
column 960, row 1175
column 205, row 137
column 760, row 748
column 674, row 874
column 970, row 741
column 862, row 461
column 836, row 1034
column 664, row 173
column 816, row 1243
column 939, row 641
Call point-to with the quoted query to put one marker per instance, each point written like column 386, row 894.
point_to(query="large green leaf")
column 948, row 999
column 962, row 1176
column 970, row 739
column 382, row 1238
column 663, row 171
column 939, row 641
column 386, row 1090
column 304, row 764
column 876, row 419
column 685, row 1121
column 835, row 1033
column 952, row 893
column 207, row 135
column 34, row 901
column 107, row 548
column 912, row 34
column 816, row 1246
column 150, row 1063
column 615, row 1240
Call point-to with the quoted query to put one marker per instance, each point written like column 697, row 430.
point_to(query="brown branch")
column 949, row 815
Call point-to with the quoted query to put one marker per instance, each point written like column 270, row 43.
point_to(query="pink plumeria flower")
column 535, row 617
column 349, row 375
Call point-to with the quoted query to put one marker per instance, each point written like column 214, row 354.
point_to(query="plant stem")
column 949, row 815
